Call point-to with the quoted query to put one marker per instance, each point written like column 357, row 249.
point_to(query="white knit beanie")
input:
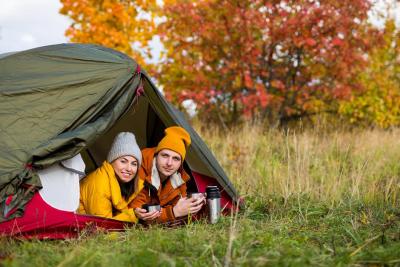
column 125, row 145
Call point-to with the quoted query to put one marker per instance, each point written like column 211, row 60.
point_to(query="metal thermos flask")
column 214, row 203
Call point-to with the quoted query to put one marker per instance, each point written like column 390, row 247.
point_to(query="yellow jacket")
column 100, row 195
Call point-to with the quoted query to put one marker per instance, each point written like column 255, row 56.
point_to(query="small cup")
column 154, row 207
column 195, row 195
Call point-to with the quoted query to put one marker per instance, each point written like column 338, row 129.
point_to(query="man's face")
column 167, row 162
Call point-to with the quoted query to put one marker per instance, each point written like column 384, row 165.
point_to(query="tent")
column 62, row 100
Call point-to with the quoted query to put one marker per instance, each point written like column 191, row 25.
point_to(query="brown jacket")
column 166, row 195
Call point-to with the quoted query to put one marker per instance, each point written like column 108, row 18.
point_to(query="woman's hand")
column 184, row 206
column 147, row 216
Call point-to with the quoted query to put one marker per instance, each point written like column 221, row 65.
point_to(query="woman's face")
column 125, row 168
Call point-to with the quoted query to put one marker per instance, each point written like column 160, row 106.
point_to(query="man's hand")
column 188, row 205
column 147, row 216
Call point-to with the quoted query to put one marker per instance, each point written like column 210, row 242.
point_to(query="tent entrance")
column 148, row 128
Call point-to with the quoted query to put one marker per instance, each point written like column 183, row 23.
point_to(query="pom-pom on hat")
column 124, row 145
column 176, row 139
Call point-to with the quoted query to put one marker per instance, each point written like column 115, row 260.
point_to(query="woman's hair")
column 127, row 189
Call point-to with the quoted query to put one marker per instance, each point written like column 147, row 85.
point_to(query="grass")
column 326, row 166
column 313, row 198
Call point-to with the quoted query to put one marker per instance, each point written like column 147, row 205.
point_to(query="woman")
column 108, row 190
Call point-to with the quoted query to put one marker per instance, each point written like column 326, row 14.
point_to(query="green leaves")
column 379, row 102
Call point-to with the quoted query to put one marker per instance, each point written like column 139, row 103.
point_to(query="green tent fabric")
column 54, row 100
column 60, row 100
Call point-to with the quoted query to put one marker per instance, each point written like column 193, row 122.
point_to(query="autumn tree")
column 120, row 24
column 279, row 59
column 378, row 103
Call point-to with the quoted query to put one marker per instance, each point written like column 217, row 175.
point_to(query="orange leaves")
column 277, row 84
column 112, row 23
column 337, row 42
column 310, row 42
column 264, row 56
column 238, row 57
column 248, row 82
column 264, row 99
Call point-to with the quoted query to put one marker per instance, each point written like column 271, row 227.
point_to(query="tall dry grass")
column 324, row 165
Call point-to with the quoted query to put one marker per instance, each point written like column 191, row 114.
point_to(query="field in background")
column 329, row 166
column 313, row 198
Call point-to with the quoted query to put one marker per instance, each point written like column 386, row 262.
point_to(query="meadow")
column 314, row 197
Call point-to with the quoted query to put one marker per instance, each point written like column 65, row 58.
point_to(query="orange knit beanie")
column 177, row 139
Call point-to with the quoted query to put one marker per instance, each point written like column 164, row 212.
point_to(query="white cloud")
column 8, row 8
column 28, row 38
column 26, row 24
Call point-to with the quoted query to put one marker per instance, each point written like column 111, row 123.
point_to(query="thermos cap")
column 213, row 192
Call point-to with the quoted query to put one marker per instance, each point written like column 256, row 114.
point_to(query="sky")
column 26, row 24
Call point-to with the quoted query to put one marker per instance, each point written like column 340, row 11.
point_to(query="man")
column 165, row 180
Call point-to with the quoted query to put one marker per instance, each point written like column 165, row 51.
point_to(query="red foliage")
column 251, row 57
